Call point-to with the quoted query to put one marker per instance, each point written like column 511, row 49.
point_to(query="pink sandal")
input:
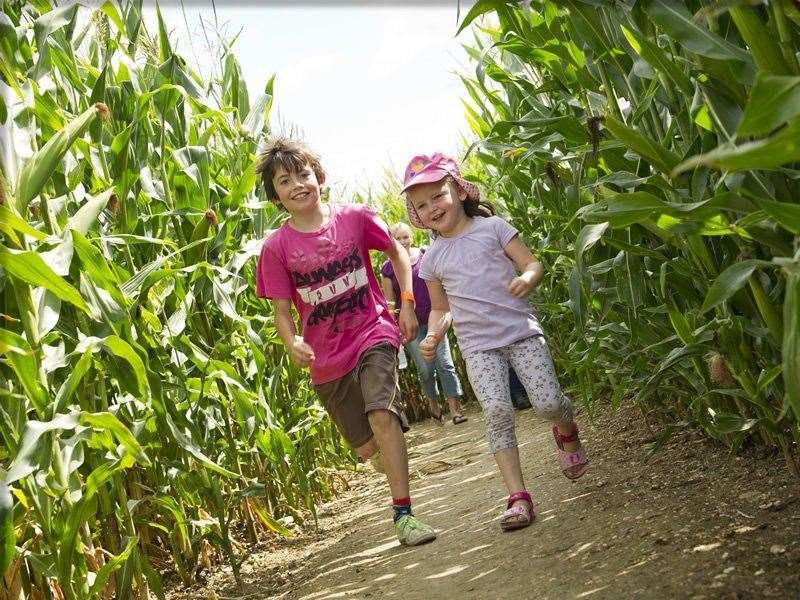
column 573, row 464
column 517, row 517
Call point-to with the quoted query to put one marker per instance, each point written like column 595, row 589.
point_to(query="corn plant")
column 649, row 153
column 149, row 418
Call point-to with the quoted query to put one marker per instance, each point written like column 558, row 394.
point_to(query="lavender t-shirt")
column 475, row 272
column 422, row 301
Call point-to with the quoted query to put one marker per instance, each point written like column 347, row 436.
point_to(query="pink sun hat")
column 430, row 169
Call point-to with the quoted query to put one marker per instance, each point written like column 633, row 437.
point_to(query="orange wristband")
column 408, row 296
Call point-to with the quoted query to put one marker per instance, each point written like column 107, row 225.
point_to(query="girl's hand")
column 520, row 286
column 427, row 347
column 302, row 354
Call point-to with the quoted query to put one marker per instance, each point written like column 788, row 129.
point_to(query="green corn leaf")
column 780, row 149
column 125, row 351
column 53, row 21
column 785, row 214
column 30, row 268
column 791, row 341
column 10, row 223
column 730, row 281
column 187, row 444
column 79, row 514
column 481, row 7
column 588, row 237
column 659, row 156
column 774, row 100
column 623, row 210
column 676, row 20
column 70, row 385
column 259, row 111
column 760, row 41
column 112, row 565
column 21, row 359
column 8, row 550
column 87, row 214
column 40, row 167
column 23, row 464
column 96, row 266
column 657, row 59
column 108, row 422
column 725, row 423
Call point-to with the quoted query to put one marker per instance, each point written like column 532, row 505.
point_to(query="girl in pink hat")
column 479, row 274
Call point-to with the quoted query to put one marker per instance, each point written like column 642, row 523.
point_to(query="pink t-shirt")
column 328, row 276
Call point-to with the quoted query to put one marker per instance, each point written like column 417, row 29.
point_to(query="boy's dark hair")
column 289, row 154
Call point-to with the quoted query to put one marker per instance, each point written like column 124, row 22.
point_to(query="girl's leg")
column 488, row 374
column 533, row 364
column 446, row 371
column 425, row 369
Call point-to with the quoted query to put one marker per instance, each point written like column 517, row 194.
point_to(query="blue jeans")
column 442, row 366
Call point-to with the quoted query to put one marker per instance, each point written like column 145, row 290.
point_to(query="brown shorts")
column 371, row 385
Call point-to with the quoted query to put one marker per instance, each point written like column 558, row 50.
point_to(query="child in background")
column 442, row 365
column 469, row 269
column 319, row 261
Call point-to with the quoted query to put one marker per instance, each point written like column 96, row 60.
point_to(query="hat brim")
column 431, row 176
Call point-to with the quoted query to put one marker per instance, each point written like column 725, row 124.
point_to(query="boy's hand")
column 428, row 346
column 302, row 354
column 408, row 322
column 521, row 286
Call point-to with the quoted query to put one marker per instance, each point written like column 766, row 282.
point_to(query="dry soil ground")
column 694, row 521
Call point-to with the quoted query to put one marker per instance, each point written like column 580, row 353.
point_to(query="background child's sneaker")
column 413, row 532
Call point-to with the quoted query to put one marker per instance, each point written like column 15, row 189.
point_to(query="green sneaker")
column 413, row 532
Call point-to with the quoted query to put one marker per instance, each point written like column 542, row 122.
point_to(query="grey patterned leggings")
column 488, row 374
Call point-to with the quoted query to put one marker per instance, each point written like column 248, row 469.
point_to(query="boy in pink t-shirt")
column 319, row 261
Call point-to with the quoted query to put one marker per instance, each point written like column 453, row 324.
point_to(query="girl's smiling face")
column 296, row 191
column 439, row 205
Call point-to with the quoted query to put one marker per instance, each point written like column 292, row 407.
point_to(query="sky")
column 368, row 87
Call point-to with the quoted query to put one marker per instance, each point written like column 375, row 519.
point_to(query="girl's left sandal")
column 573, row 463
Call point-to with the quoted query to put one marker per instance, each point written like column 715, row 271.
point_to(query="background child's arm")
column 402, row 270
column 438, row 321
column 531, row 270
column 300, row 352
column 388, row 293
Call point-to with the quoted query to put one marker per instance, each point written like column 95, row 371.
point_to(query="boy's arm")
column 402, row 270
column 531, row 270
column 439, row 319
column 300, row 352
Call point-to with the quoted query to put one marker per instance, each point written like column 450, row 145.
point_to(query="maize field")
column 649, row 153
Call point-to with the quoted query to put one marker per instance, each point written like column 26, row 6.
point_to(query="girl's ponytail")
column 475, row 207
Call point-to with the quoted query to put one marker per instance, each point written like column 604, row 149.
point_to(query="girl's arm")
column 439, row 320
column 300, row 352
column 531, row 270
column 402, row 270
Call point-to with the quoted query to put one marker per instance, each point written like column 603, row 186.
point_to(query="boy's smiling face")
column 297, row 191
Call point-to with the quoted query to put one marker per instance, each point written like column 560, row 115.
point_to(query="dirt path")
column 693, row 522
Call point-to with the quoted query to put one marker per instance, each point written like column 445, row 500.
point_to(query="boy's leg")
column 377, row 375
column 392, row 443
